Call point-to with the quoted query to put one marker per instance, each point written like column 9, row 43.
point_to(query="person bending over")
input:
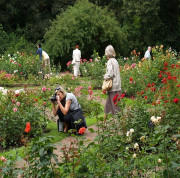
column 67, row 106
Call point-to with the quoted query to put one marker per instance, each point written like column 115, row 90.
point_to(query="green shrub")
column 87, row 25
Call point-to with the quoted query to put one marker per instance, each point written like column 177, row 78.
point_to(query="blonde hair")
column 109, row 51
column 62, row 90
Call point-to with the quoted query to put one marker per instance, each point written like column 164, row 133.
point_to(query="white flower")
column 15, row 71
column 128, row 133
column 127, row 148
column 134, row 155
column 142, row 138
column 131, row 130
column 4, row 92
column 153, row 118
column 19, row 91
column 158, row 118
column 9, row 55
column 136, row 146
column 159, row 161
column 1, row 89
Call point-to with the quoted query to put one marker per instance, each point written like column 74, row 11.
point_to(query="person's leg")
column 65, row 127
column 78, row 71
column 48, row 65
column 75, row 70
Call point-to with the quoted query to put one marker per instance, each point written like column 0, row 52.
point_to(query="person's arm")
column 37, row 52
column 54, row 109
column 64, row 109
column 80, row 54
column 109, row 71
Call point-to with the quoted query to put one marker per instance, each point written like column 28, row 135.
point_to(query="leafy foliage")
column 87, row 25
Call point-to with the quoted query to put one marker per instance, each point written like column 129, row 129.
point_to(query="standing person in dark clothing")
column 39, row 51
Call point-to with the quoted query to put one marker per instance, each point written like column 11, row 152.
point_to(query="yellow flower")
column 139, row 64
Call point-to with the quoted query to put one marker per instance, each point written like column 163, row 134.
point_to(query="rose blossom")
column 15, row 109
column 43, row 88
column 18, row 103
column 2, row 158
column 134, row 155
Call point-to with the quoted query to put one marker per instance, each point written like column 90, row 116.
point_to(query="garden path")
column 87, row 137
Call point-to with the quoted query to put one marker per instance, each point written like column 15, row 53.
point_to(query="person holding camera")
column 67, row 108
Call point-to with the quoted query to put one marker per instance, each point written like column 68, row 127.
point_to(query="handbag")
column 78, row 120
column 107, row 85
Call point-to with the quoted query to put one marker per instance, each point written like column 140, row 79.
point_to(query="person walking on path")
column 46, row 63
column 112, row 72
column 76, row 61
column 147, row 54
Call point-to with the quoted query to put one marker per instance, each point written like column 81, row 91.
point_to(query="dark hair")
column 39, row 45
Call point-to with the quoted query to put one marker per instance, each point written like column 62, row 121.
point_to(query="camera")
column 53, row 98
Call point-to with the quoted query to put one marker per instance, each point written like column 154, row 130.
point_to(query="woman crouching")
column 67, row 107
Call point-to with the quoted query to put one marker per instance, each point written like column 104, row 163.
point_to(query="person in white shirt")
column 76, row 60
column 46, row 63
column 148, row 53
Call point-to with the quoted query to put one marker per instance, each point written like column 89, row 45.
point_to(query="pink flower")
column 13, row 101
column 91, row 60
column 21, row 73
column 133, row 65
column 2, row 158
column 18, row 103
column 89, row 88
column 73, row 78
column 43, row 88
column 44, row 103
column 15, row 109
column 49, row 89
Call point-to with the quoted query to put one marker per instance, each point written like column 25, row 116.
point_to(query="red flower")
column 17, row 94
column 176, row 100
column 19, row 65
column 152, row 84
column 104, row 92
column 166, row 101
column 153, row 89
column 130, row 79
column 115, row 99
column 169, row 77
column 164, row 80
column 138, row 93
column 172, row 66
column 174, row 78
column 28, row 127
column 145, row 97
column 82, row 130
column 149, row 85
column 142, row 92
column 122, row 95
column 165, row 64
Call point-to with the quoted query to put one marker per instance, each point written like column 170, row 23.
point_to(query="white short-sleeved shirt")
column 74, row 103
column 147, row 54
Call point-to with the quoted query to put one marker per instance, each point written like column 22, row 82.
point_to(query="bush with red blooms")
column 19, row 114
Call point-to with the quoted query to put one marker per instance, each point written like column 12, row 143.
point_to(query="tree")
column 86, row 24
column 3, row 40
